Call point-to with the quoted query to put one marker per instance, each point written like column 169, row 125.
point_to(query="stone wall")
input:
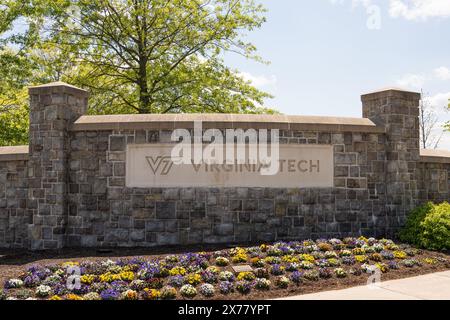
column 14, row 202
column 103, row 212
column 71, row 192
column 433, row 179
column 53, row 109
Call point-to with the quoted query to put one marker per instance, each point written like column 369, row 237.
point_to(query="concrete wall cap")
column 435, row 156
column 173, row 121
column 14, row 153
column 56, row 87
column 390, row 92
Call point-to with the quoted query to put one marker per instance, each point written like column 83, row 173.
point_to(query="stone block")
column 117, row 143
column 165, row 210
column 137, row 235
column 224, row 229
column 167, row 238
column 154, row 226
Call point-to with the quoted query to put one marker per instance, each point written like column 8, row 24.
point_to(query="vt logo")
column 160, row 164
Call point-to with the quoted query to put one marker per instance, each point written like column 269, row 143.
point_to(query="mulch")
column 14, row 262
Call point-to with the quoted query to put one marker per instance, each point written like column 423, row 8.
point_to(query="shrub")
column 226, row 287
column 43, row 291
column 340, row 273
column 188, row 291
column 151, row 294
column 262, row 284
column 311, row 275
column 325, row 246
column 393, row 265
column 129, row 295
column 262, row 273
column 292, row 266
column 296, row 277
column 13, row 283
column 348, row 260
column 361, row 258
column 430, row 261
column 207, row 290
column 155, row 283
column 222, row 261
column 306, row 265
column 282, row 282
column 257, row 262
column 382, row 267
column 325, row 273
column 387, row 255
column 177, row 271
column 398, row 254
column 89, row 296
column 110, row 294
column 409, row 263
column 277, row 270
column 226, row 276
column 176, row 281
column 168, row 293
column 194, row 279
column 428, row 226
column 244, row 287
column 376, row 257
column 355, row 272
column 209, row 276
column 247, row 276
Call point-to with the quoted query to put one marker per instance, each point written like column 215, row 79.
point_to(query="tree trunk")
column 144, row 98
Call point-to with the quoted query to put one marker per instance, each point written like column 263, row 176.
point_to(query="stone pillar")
column 53, row 108
column 398, row 112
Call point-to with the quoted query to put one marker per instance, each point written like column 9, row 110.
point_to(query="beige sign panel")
column 300, row 166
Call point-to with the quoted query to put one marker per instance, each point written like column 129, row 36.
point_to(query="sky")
column 325, row 53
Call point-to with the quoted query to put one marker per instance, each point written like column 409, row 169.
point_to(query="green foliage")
column 146, row 56
column 159, row 56
column 447, row 125
column 428, row 226
column 14, row 119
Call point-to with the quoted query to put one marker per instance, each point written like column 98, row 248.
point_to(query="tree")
column 428, row 124
column 447, row 125
column 134, row 56
column 18, row 65
column 147, row 56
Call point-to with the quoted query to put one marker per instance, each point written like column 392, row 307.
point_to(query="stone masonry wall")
column 103, row 212
column 433, row 182
column 71, row 192
column 398, row 112
column 14, row 215
column 53, row 109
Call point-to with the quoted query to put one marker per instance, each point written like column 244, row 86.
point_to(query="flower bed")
column 278, row 270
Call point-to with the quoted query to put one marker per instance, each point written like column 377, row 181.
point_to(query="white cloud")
column 354, row 3
column 338, row 2
column 259, row 81
column 407, row 9
column 419, row 9
column 412, row 81
column 440, row 101
column 418, row 80
column 365, row 3
column 442, row 73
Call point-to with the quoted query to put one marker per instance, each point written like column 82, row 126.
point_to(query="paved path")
column 434, row 286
